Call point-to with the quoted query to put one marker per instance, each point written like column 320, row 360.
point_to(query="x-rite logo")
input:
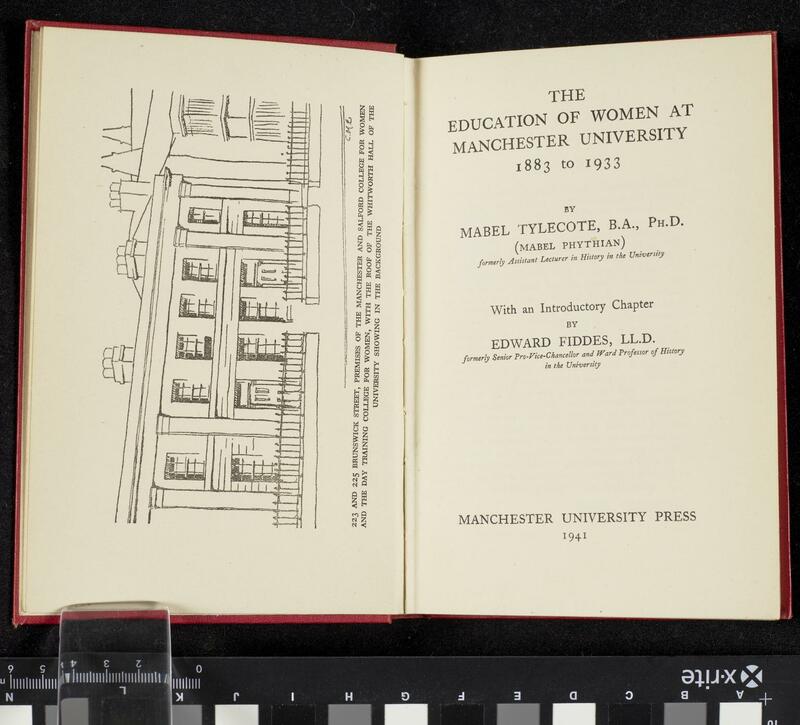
column 751, row 676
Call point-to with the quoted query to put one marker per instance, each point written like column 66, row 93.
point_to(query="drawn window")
column 263, row 273
column 199, row 215
column 257, row 394
column 184, row 467
column 257, row 218
column 199, row 270
column 185, row 392
column 192, row 306
column 259, row 347
column 253, row 310
column 252, row 468
column 193, row 347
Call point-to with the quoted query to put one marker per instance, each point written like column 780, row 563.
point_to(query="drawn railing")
column 299, row 143
column 296, row 243
column 288, row 497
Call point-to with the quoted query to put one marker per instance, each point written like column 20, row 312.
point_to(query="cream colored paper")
column 492, row 448
column 249, row 130
column 507, row 443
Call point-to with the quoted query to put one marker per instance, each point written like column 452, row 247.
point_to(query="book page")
column 213, row 378
column 597, row 422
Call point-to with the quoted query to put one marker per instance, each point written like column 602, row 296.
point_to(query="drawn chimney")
column 118, row 363
column 125, row 195
column 130, row 259
column 113, row 196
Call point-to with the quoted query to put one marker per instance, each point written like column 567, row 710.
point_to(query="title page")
column 596, row 405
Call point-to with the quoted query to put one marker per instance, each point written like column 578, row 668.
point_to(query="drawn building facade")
column 223, row 243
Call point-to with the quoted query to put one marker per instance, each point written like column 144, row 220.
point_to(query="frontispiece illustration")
column 223, row 245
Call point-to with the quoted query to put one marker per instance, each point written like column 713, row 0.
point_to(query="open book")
column 324, row 331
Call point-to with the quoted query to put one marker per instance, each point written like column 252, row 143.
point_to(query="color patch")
column 16, row 715
column 349, row 714
column 187, row 715
column 626, row 714
column 518, row 713
column 416, row 714
column 685, row 713
column 574, row 713
column 740, row 713
column 130, row 711
column 462, row 714
column 236, row 714
column 74, row 711
column 293, row 715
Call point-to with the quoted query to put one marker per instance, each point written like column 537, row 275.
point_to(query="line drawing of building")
column 222, row 244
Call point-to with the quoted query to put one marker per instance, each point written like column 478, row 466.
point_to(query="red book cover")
column 783, row 450
column 785, row 578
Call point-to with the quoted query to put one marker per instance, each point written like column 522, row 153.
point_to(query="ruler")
column 755, row 690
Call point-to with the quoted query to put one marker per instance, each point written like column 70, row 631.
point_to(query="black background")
column 419, row 29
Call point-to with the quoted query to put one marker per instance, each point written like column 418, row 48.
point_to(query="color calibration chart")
column 426, row 691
